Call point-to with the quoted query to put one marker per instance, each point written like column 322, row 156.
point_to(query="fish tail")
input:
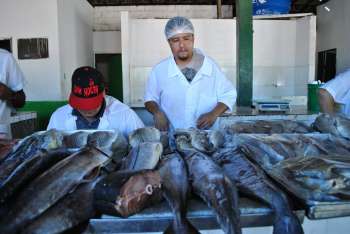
column 288, row 224
column 185, row 228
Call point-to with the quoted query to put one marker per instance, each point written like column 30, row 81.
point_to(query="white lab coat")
column 117, row 116
column 339, row 88
column 12, row 76
column 184, row 102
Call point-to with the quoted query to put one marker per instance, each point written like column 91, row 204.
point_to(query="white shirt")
column 339, row 89
column 117, row 116
column 184, row 102
column 12, row 76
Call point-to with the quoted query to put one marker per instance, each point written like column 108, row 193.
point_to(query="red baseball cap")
column 88, row 89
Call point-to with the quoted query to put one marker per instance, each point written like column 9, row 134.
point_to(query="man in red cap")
column 90, row 108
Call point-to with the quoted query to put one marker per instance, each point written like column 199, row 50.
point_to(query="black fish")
column 72, row 210
column 175, row 187
column 252, row 181
column 29, row 169
column 212, row 185
column 27, row 148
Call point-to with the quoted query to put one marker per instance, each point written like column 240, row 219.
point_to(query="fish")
column 5, row 147
column 173, row 173
column 343, row 126
column 268, row 127
column 252, row 182
column 123, row 193
column 30, row 169
column 111, row 142
column 143, row 156
column 75, row 208
column 75, row 140
column 326, row 123
column 27, row 148
column 147, row 134
column 216, row 138
column 199, row 139
column 212, row 185
column 45, row 190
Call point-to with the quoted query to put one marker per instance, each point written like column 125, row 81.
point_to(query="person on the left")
column 90, row 108
column 11, row 90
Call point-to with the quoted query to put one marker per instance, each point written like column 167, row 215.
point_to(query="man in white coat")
column 188, row 89
column 11, row 90
column 334, row 96
column 90, row 108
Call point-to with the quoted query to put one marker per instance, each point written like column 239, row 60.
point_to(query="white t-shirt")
column 339, row 88
column 12, row 76
column 117, row 116
column 182, row 101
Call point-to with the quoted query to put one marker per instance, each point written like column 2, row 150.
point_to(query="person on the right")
column 334, row 96
column 188, row 89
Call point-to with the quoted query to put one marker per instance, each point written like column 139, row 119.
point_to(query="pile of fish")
column 267, row 150
column 316, row 178
column 46, row 179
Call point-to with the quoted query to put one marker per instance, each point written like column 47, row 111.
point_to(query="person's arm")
column 160, row 120
column 326, row 101
column 15, row 99
column 206, row 120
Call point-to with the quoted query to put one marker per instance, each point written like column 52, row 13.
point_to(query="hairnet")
column 177, row 25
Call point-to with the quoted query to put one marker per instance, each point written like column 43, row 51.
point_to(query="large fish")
column 148, row 134
column 30, row 169
column 143, row 156
column 27, row 148
column 252, row 181
column 51, row 186
column 333, row 124
column 111, row 142
column 268, row 127
column 212, row 185
column 73, row 209
column 175, row 188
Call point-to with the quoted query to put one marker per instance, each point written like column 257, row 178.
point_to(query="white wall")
column 108, row 18
column 333, row 31
column 107, row 42
column 282, row 49
column 23, row 19
column 75, row 39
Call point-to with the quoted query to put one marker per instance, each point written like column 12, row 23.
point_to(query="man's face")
column 181, row 46
column 88, row 114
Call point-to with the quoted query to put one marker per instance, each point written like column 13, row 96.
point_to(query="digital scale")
column 272, row 105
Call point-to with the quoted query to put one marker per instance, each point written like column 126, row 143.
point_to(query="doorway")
column 110, row 65
column 326, row 67
column 6, row 44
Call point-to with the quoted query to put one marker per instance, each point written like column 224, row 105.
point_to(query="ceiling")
column 298, row 6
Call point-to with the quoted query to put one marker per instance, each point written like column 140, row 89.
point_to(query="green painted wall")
column 44, row 109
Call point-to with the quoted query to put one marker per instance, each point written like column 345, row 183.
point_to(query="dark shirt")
column 82, row 123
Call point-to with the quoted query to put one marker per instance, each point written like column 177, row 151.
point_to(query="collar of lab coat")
column 206, row 69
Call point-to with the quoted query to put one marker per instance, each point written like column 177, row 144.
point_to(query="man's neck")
column 183, row 63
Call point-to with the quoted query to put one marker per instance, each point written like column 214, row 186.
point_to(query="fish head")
column 147, row 134
column 51, row 139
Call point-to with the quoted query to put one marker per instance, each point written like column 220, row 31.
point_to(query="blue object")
column 271, row 7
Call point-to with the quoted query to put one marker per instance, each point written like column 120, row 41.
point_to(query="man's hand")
column 5, row 92
column 206, row 120
column 160, row 121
